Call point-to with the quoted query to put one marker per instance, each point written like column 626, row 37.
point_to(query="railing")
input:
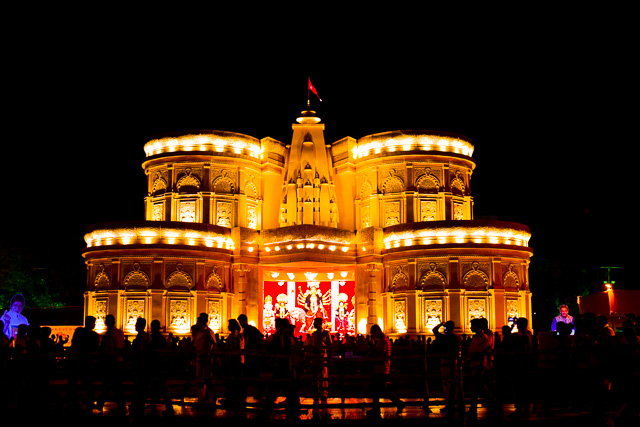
column 417, row 375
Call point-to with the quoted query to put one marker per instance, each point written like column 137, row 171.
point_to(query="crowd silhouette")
column 583, row 366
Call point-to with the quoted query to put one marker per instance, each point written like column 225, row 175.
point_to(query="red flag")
column 313, row 89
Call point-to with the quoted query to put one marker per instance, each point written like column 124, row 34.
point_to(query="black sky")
column 544, row 101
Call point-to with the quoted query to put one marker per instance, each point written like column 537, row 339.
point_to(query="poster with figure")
column 13, row 317
column 302, row 302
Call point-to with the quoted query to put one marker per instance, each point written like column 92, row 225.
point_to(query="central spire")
column 308, row 193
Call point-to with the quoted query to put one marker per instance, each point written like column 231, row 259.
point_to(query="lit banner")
column 302, row 302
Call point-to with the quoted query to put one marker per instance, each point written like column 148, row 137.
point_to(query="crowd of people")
column 594, row 365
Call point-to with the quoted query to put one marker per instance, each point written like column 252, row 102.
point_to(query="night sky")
column 543, row 101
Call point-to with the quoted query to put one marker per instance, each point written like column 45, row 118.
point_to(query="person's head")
column 141, row 324
column 564, row 310
column 317, row 323
column 234, row 325
column 522, row 323
column 449, row 326
column 476, row 325
column 506, row 330
column 155, row 325
column 203, row 319
column 89, row 322
column 375, row 331
column 109, row 321
column 17, row 303
column 242, row 319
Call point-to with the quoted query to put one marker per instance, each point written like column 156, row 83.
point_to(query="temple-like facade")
column 375, row 230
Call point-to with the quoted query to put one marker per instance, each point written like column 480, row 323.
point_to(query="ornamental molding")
column 308, row 232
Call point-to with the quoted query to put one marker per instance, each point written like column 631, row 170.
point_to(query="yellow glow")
column 332, row 248
column 289, row 247
column 171, row 240
column 215, row 141
column 408, row 242
column 267, row 249
column 362, row 326
column 250, row 249
column 410, row 141
column 320, row 246
column 344, row 248
column 300, row 245
column 277, row 248
column 148, row 240
column 310, row 245
column 126, row 240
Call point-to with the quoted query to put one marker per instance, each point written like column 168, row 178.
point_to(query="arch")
column 102, row 278
column 179, row 279
column 214, row 282
column 510, row 279
column 457, row 184
column 427, row 182
column 393, row 184
column 159, row 185
column 188, row 181
column 432, row 279
column 136, row 279
column 366, row 189
column 223, row 185
column 475, row 279
column 399, row 282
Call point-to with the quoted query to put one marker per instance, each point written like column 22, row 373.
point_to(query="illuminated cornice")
column 212, row 141
column 410, row 140
column 297, row 237
column 456, row 232
column 156, row 232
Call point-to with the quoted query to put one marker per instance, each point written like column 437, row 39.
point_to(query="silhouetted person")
column 112, row 347
column 524, row 365
column 447, row 345
column 139, row 353
column 253, row 341
column 281, row 346
column 204, row 343
column 158, row 361
column 381, row 350
column 477, row 357
column 317, row 346
column 85, row 345
column 234, row 365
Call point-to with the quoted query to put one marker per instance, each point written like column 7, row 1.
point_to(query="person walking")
column 381, row 351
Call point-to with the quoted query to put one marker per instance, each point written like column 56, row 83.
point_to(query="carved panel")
column 159, row 185
column 477, row 309
column 179, row 314
column 428, row 210
column 458, row 211
column 392, row 213
column 224, row 214
column 457, row 183
column 134, row 308
column 476, row 277
column 214, row 309
column 365, row 217
column 426, row 181
column 136, row 279
column 432, row 313
column 399, row 277
column 179, row 279
column 188, row 182
column 101, row 309
column 187, row 211
column 102, row 280
column 157, row 212
column 432, row 279
column 252, row 217
column 400, row 315
column 214, row 281
column 510, row 279
column 512, row 309
column 223, row 181
column 393, row 182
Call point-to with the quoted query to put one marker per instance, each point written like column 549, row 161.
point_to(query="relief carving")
column 510, row 280
column 136, row 279
column 432, row 279
column 179, row 279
